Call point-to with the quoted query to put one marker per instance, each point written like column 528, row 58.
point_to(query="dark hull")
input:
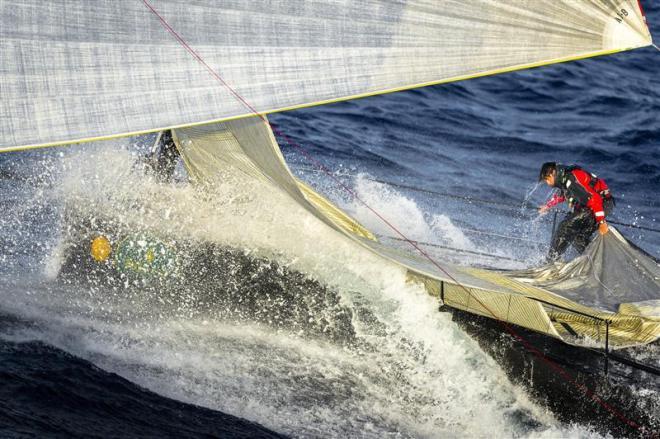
column 218, row 282
column 234, row 285
column 561, row 379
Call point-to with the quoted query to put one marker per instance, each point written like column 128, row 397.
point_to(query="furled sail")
column 75, row 70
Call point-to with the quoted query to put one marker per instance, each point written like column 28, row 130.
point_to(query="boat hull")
column 575, row 383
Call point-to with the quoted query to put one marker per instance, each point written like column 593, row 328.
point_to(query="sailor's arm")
column 594, row 202
column 557, row 198
column 596, row 205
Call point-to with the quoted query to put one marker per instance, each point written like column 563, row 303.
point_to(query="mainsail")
column 75, row 70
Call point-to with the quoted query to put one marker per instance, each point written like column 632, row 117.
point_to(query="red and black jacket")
column 581, row 189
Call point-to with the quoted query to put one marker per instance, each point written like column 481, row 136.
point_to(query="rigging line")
column 443, row 194
column 471, row 199
column 558, row 369
column 154, row 148
column 500, row 235
column 458, row 250
column 656, row 47
column 634, row 226
column 512, row 206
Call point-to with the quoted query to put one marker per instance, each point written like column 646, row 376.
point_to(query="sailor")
column 589, row 201
column 164, row 157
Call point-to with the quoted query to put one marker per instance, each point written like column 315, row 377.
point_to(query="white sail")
column 78, row 70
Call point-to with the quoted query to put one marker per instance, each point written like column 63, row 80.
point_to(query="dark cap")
column 547, row 169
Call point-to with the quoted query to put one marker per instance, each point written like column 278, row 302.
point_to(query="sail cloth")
column 610, row 272
column 79, row 70
column 248, row 145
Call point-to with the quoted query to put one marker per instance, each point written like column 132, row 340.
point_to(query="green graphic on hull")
column 143, row 254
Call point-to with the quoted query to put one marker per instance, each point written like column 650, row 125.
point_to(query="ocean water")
column 309, row 337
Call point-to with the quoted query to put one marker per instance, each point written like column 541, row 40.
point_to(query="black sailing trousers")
column 576, row 228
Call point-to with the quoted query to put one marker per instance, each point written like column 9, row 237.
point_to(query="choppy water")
column 347, row 348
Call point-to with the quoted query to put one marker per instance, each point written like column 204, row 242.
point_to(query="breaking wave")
column 291, row 325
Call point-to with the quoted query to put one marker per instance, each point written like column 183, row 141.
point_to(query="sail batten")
column 77, row 71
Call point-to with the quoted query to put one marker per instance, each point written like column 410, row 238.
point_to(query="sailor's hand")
column 543, row 210
column 602, row 228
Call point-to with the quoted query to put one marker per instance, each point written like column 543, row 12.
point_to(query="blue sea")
column 316, row 341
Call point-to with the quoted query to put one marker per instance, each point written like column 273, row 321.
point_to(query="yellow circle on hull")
column 100, row 249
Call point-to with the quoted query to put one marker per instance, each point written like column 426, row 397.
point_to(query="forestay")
column 78, row 70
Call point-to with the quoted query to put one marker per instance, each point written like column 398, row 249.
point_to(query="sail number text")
column 621, row 14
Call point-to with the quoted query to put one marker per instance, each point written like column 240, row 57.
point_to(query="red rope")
column 560, row 370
